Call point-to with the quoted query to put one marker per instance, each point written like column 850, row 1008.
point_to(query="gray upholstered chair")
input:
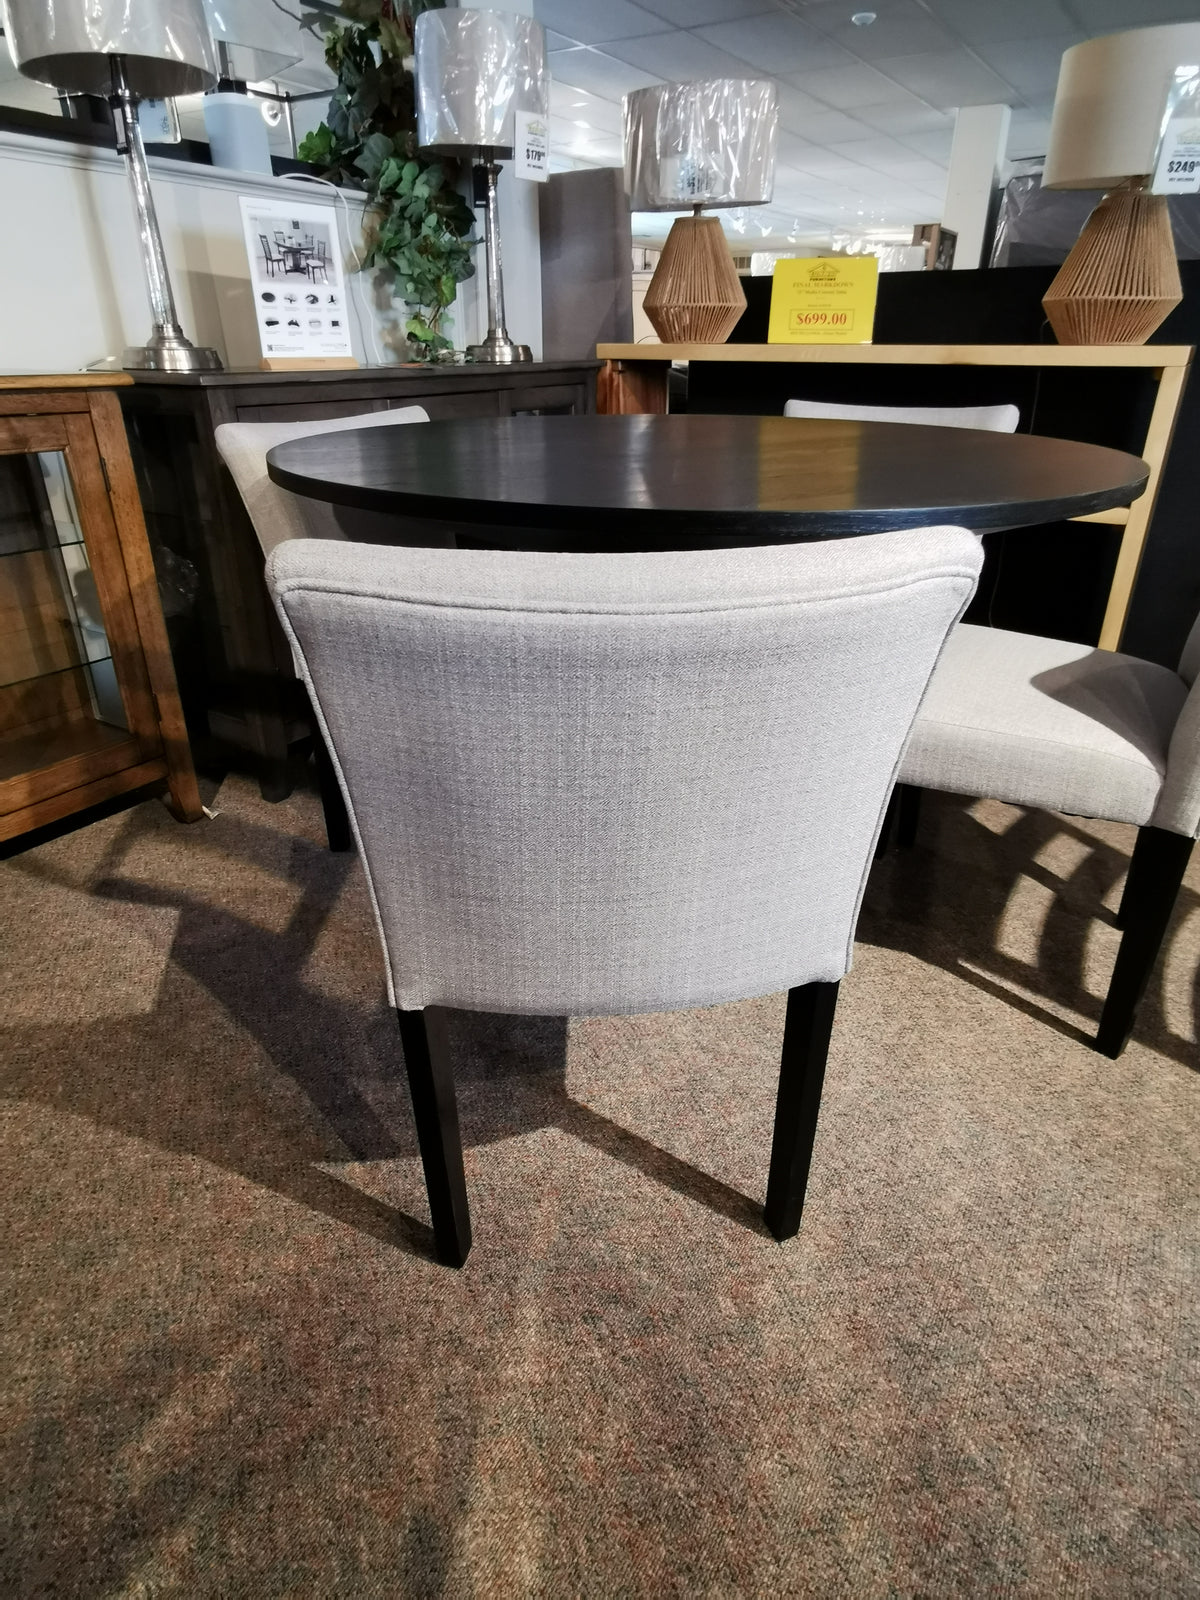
column 1064, row 727
column 995, row 419
column 592, row 784
column 276, row 514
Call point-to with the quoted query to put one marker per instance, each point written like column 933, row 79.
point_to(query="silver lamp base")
column 171, row 353
column 499, row 351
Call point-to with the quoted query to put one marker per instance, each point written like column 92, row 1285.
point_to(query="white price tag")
column 158, row 121
column 531, row 146
column 1177, row 163
column 1178, row 170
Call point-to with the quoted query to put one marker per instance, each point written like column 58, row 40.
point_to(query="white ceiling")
column 866, row 114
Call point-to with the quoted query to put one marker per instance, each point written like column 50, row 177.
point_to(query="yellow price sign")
column 823, row 300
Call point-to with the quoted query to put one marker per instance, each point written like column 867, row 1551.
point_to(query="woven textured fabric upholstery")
column 276, row 513
column 1040, row 722
column 996, row 419
column 614, row 783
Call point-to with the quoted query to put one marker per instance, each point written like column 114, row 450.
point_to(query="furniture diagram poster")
column 823, row 300
column 297, row 280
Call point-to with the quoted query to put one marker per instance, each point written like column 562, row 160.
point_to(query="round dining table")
column 584, row 482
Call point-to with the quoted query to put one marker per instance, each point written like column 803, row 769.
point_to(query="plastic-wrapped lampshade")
column 709, row 143
column 66, row 43
column 474, row 69
column 1109, row 104
column 261, row 37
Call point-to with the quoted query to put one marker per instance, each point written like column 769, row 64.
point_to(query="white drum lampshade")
column 126, row 50
column 164, row 44
column 1121, row 279
column 255, row 40
column 705, row 144
column 475, row 71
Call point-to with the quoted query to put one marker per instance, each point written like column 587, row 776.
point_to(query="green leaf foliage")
column 419, row 228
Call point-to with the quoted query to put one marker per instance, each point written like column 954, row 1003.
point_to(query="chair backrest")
column 618, row 783
column 1178, row 805
column 276, row 513
column 996, row 419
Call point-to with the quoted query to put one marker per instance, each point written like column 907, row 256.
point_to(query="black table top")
column 678, row 482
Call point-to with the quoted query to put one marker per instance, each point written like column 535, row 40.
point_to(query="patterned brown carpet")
column 233, row 1369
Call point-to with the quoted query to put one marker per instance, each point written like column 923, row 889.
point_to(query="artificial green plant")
column 418, row 227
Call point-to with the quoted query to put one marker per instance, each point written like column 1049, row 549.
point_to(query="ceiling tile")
column 679, row 56
column 577, row 106
column 794, row 106
column 901, row 27
column 778, row 42
column 823, row 127
column 948, row 80
column 587, row 23
column 844, row 88
column 697, row 13
column 934, row 145
column 1101, row 16
column 599, row 74
column 908, row 116
column 557, row 41
column 982, row 21
column 1031, row 66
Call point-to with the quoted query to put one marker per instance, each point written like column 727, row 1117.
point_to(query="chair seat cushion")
column 1041, row 722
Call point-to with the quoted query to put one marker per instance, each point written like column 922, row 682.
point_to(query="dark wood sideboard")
column 234, row 668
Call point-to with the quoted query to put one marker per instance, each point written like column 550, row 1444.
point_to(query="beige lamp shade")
column 67, row 43
column 1108, row 109
column 474, row 70
column 261, row 37
column 708, row 143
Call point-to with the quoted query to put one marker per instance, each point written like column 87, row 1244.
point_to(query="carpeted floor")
column 234, row 1370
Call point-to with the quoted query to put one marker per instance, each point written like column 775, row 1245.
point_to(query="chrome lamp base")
column 499, row 350
column 170, row 352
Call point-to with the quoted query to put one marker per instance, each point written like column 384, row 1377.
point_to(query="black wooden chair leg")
column 337, row 818
column 885, row 828
column 1159, row 862
column 806, row 1034
column 431, row 1083
column 908, row 814
column 1136, row 866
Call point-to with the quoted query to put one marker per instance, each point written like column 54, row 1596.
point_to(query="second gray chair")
column 993, row 419
column 591, row 784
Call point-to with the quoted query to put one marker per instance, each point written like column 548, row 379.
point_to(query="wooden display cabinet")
column 89, row 707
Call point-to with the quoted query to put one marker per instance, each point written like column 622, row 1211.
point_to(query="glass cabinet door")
column 66, row 696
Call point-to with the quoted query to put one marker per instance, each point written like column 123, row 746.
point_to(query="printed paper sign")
column 158, row 121
column 296, row 277
column 1177, row 164
column 823, row 301
column 531, row 146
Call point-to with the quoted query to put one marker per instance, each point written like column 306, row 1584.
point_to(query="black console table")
column 234, row 668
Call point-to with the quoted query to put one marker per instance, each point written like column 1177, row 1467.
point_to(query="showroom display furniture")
column 681, row 813
column 635, row 380
column 89, row 707
column 1041, row 722
column 993, row 419
column 277, row 515
column 235, row 672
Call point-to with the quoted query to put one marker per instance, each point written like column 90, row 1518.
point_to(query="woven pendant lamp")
column 704, row 144
column 1121, row 279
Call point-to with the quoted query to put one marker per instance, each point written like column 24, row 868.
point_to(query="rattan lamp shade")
column 704, row 144
column 1121, row 279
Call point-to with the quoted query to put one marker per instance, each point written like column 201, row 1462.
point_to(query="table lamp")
column 709, row 143
column 255, row 40
column 1121, row 279
column 126, row 50
column 475, row 71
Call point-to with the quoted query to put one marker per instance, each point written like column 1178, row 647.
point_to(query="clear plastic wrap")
column 709, row 143
column 260, row 37
column 475, row 69
column 1037, row 227
column 66, row 43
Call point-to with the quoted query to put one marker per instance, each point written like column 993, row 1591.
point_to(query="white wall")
column 72, row 290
